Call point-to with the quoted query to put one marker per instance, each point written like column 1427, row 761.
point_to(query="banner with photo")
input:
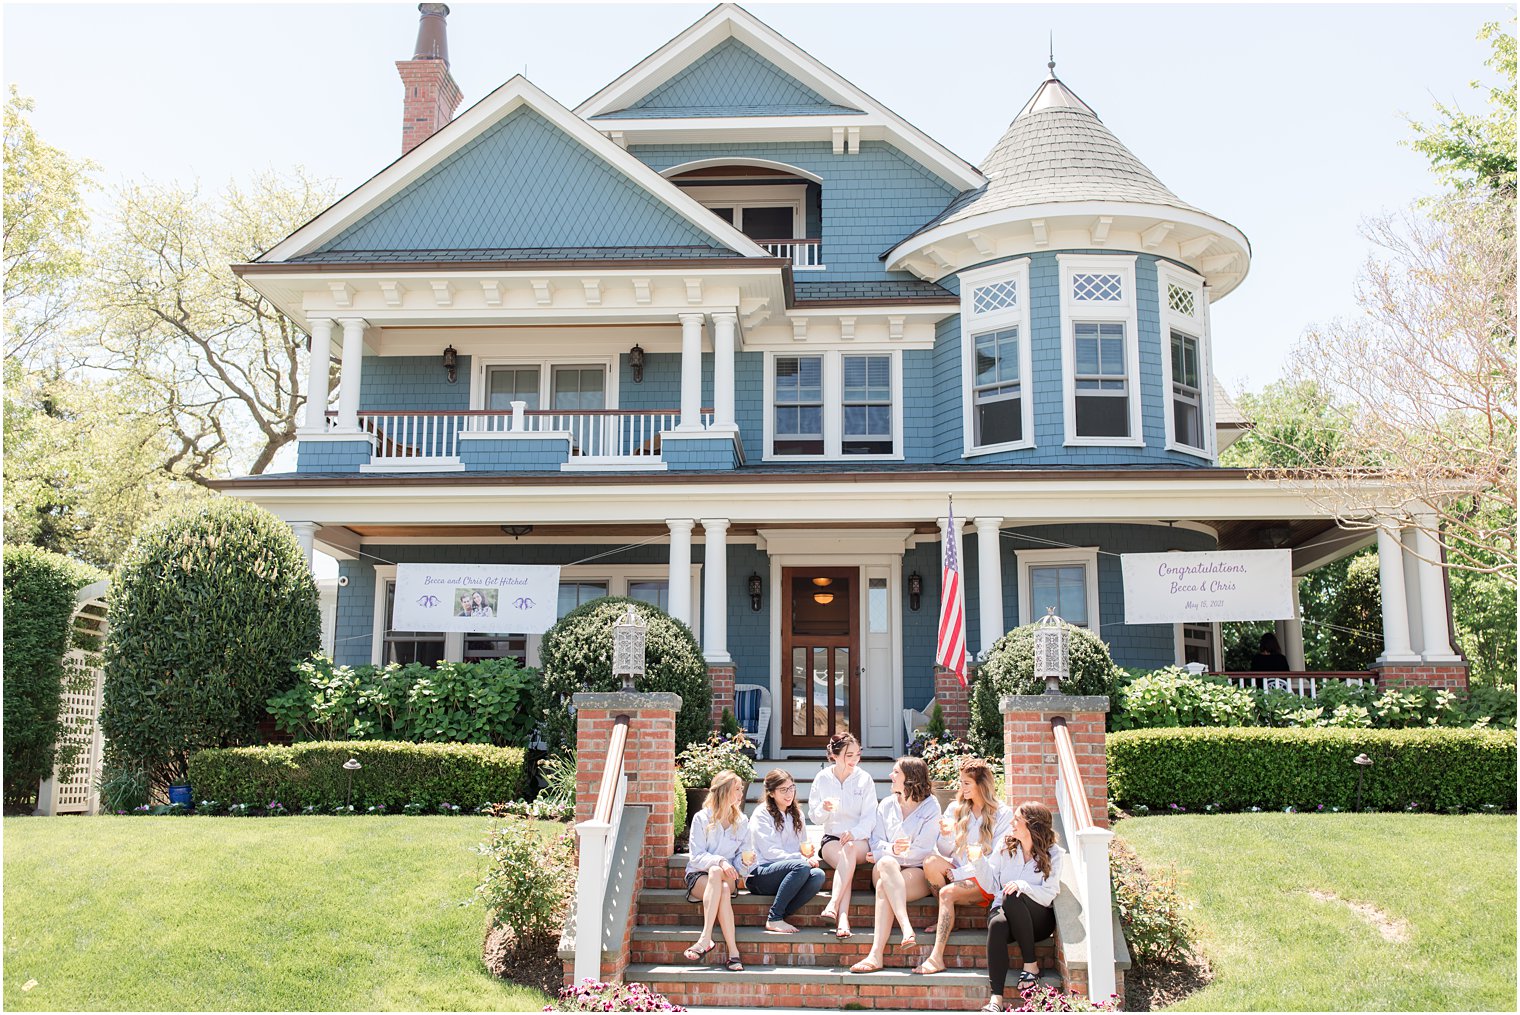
column 481, row 598
column 1186, row 588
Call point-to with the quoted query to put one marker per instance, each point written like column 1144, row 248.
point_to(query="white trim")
column 1083, row 556
column 1122, row 311
column 1216, row 644
column 1193, row 326
column 457, row 133
column 786, row 195
column 687, row 167
column 973, row 323
column 833, row 404
column 731, row 21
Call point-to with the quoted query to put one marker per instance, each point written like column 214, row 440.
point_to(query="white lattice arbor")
column 79, row 718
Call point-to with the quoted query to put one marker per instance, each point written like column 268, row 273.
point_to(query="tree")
column 1292, row 424
column 1478, row 150
column 214, row 360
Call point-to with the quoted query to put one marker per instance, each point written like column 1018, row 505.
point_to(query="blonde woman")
column 1027, row 870
column 907, row 827
column 843, row 800
column 719, row 834
column 969, row 830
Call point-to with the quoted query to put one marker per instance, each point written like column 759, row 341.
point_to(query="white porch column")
column 306, row 535
column 1437, row 634
column 349, row 378
column 989, row 573
column 680, row 568
column 715, row 591
column 1395, row 602
column 1293, row 647
column 691, row 372
column 321, row 367
column 725, row 327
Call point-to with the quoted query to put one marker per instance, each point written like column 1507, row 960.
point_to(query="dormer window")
column 1185, row 366
column 1100, row 351
column 995, row 358
column 777, row 208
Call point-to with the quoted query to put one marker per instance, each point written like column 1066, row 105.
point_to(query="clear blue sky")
column 1284, row 120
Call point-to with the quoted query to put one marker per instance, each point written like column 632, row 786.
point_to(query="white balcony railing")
column 1306, row 685
column 805, row 254
column 419, row 438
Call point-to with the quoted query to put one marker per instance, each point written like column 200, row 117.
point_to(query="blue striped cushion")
column 747, row 709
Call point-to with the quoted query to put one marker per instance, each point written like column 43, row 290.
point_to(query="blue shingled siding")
column 412, row 384
column 920, row 628
column 870, row 200
column 749, row 632
column 749, row 403
column 332, row 456
column 521, row 183
column 661, row 386
column 731, row 78
column 514, row 454
column 713, row 454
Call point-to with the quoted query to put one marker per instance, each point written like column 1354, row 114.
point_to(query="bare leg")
column 893, row 885
column 726, row 919
column 712, row 896
column 844, row 859
column 948, row 897
column 937, row 869
column 701, row 888
column 883, row 926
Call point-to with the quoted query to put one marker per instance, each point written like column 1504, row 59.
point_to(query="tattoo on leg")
column 946, row 918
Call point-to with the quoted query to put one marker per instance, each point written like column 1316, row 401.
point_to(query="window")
column 834, row 405
column 655, row 593
column 1196, row 644
column 1066, row 579
column 1100, row 353
column 996, row 358
column 578, row 388
column 573, row 594
column 407, row 646
column 505, row 385
column 544, row 384
column 1187, row 396
column 1185, row 367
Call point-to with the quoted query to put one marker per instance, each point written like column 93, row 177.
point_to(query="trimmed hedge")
column 393, row 774
column 39, row 601
column 1238, row 768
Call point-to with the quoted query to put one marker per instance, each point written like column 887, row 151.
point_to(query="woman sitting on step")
column 716, row 868
column 843, row 801
column 907, row 826
column 1027, row 872
column 973, row 824
column 787, row 866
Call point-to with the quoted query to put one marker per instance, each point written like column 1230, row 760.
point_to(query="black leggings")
column 1017, row 919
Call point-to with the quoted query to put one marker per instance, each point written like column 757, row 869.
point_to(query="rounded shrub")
column 210, row 610
column 576, row 655
column 1009, row 669
column 39, row 603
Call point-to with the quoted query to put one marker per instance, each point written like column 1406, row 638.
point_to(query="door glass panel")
column 578, row 388
column 799, row 691
column 877, row 601
column 841, row 689
column 505, row 385
column 820, row 692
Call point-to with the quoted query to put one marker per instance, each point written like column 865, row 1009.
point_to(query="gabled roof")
column 453, row 191
column 786, row 82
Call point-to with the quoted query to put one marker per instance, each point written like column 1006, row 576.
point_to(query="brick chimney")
column 431, row 96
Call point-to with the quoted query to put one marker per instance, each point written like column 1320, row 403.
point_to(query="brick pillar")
column 1029, row 748
column 954, row 700
column 650, row 759
column 1451, row 676
column 722, row 677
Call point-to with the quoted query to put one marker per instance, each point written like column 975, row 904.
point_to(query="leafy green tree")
column 1477, row 150
column 1293, row 424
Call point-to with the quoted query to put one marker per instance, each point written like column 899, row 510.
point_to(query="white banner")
column 483, row 598
column 1181, row 587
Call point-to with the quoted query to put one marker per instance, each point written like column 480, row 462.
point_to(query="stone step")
column 760, row 987
column 675, row 875
column 817, row 947
column 668, row 907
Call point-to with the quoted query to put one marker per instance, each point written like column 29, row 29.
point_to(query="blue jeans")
column 793, row 882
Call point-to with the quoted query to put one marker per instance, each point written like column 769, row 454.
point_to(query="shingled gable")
column 662, row 87
column 516, row 170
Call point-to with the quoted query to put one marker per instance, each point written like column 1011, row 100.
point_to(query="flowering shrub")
column 701, row 761
column 540, row 808
column 528, row 882
column 594, row 995
column 944, row 757
column 1009, row 669
column 1045, row 998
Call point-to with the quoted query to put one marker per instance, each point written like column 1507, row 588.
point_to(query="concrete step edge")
column 839, row 975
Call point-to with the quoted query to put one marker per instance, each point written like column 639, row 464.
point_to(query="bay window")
column 1100, row 352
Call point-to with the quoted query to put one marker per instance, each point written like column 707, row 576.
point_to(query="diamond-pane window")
column 1096, row 288
column 997, row 296
column 1181, row 300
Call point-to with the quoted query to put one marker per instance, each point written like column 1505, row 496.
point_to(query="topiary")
column 576, row 655
column 210, row 610
column 39, row 603
column 1009, row 669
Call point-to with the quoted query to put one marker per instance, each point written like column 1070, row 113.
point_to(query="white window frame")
column 1123, row 311
column 1216, row 643
column 1197, row 328
column 793, row 196
column 545, row 365
column 1085, row 557
column 617, row 578
column 972, row 324
column 833, row 404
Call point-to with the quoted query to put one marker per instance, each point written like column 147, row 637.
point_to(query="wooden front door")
column 820, row 655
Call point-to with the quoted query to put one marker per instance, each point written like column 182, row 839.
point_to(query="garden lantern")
column 1361, row 761
column 628, row 636
column 351, row 766
column 1052, row 651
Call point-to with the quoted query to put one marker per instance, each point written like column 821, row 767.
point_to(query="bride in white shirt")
column 907, row 826
column 843, row 801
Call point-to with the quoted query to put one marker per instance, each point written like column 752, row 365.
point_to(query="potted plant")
column 697, row 765
column 944, row 757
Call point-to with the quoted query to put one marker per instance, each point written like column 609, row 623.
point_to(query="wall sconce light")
column 636, row 363
column 451, row 363
column 754, row 592
column 915, row 590
column 823, row 598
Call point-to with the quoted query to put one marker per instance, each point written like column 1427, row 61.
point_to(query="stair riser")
column 822, row 953
column 675, row 877
column 930, row 996
column 752, row 914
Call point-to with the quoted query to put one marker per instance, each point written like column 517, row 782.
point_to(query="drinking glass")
column 900, row 846
column 748, row 856
column 974, row 851
column 807, row 850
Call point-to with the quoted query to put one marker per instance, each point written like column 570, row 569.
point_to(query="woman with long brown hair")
column 785, row 864
column 907, row 825
column 843, row 800
column 1027, row 870
column 975, row 822
column 718, row 837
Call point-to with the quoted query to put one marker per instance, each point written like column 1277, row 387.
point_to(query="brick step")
column 967, row 949
column 668, row 907
column 675, row 875
column 761, row 987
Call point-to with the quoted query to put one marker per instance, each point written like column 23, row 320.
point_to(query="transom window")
column 1187, row 395
column 1097, row 288
column 985, row 299
column 799, row 405
column 834, row 405
column 995, row 363
column 1101, row 380
column 1180, row 300
column 997, row 388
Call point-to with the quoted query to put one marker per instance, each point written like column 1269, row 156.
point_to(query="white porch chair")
column 754, row 728
column 914, row 720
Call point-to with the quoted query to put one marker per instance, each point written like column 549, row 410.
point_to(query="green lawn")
column 307, row 913
column 1446, row 883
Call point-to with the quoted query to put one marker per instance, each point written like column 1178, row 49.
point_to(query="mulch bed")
column 538, row 967
column 1155, row 985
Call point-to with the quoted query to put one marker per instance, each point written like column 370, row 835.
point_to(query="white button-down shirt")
column 712, row 843
column 919, row 826
column 856, row 810
column 772, row 843
column 1002, row 821
column 1017, row 869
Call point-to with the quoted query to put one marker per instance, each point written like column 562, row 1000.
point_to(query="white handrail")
column 803, row 253
column 1088, row 843
column 596, row 839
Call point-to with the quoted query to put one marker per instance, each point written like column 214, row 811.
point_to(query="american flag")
column 951, row 650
